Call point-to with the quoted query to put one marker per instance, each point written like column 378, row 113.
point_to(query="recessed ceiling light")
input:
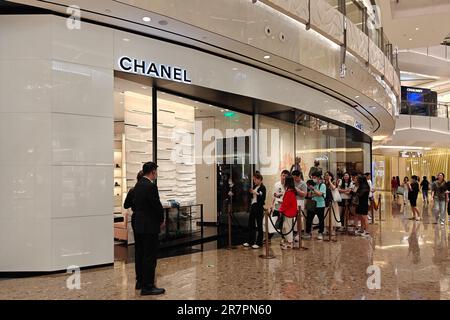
column 222, row 110
column 267, row 57
column 147, row 19
column 235, row 69
column 126, row 39
column 373, row 107
column 417, row 29
column 143, row 87
column 410, row 39
column 357, row 97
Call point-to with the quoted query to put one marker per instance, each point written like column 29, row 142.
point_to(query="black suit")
column 149, row 215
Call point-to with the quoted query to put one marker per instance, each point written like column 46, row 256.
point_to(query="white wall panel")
column 81, row 89
column 25, row 139
column 25, row 85
column 82, row 241
column 79, row 191
column 82, row 139
column 25, row 37
column 90, row 45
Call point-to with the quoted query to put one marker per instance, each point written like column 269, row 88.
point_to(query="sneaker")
column 320, row 236
column 418, row 219
column 442, row 223
column 246, row 245
column 282, row 242
column 359, row 231
column 307, row 236
column 255, row 246
column 286, row 246
column 365, row 234
column 341, row 229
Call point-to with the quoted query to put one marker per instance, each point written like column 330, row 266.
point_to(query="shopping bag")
column 271, row 228
column 336, row 195
column 400, row 190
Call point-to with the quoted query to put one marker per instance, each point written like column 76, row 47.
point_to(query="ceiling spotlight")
column 410, row 39
column 147, row 19
column 417, row 29
column 144, row 87
column 126, row 39
column 267, row 57
column 357, row 97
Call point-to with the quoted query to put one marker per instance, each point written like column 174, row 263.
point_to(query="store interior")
column 204, row 148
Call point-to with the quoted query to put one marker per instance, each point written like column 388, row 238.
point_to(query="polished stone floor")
column 412, row 257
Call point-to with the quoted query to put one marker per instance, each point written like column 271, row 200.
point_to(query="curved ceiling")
column 115, row 13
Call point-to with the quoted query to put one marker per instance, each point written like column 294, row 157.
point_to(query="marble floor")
column 412, row 258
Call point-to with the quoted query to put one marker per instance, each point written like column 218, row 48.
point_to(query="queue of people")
column 354, row 193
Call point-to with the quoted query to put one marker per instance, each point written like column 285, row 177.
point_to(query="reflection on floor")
column 413, row 258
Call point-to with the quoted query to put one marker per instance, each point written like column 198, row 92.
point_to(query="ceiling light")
column 373, row 107
column 143, row 87
column 126, row 39
column 222, row 110
column 147, row 19
column 417, row 29
column 267, row 57
column 356, row 97
column 235, row 69
column 410, row 39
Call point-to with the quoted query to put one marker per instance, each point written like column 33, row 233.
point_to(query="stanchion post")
column 299, row 230
column 372, row 205
column 266, row 235
column 330, row 228
column 379, row 207
column 347, row 216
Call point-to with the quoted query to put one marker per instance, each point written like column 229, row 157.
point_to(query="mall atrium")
column 225, row 150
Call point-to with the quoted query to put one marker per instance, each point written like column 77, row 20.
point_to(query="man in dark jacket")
column 149, row 218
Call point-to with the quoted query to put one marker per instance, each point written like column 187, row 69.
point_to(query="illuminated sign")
column 414, row 90
column 410, row 154
column 154, row 70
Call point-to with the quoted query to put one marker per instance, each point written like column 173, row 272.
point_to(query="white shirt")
column 278, row 188
column 371, row 188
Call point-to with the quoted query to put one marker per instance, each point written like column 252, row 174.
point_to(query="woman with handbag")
column 345, row 186
column 289, row 210
column 362, row 206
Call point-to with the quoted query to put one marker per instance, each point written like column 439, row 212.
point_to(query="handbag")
column 271, row 228
column 336, row 195
column 400, row 190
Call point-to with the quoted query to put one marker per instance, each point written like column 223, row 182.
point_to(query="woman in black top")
column 362, row 209
column 425, row 185
column 255, row 219
column 412, row 197
column 129, row 203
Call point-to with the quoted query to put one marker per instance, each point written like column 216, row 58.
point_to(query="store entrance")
column 234, row 173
